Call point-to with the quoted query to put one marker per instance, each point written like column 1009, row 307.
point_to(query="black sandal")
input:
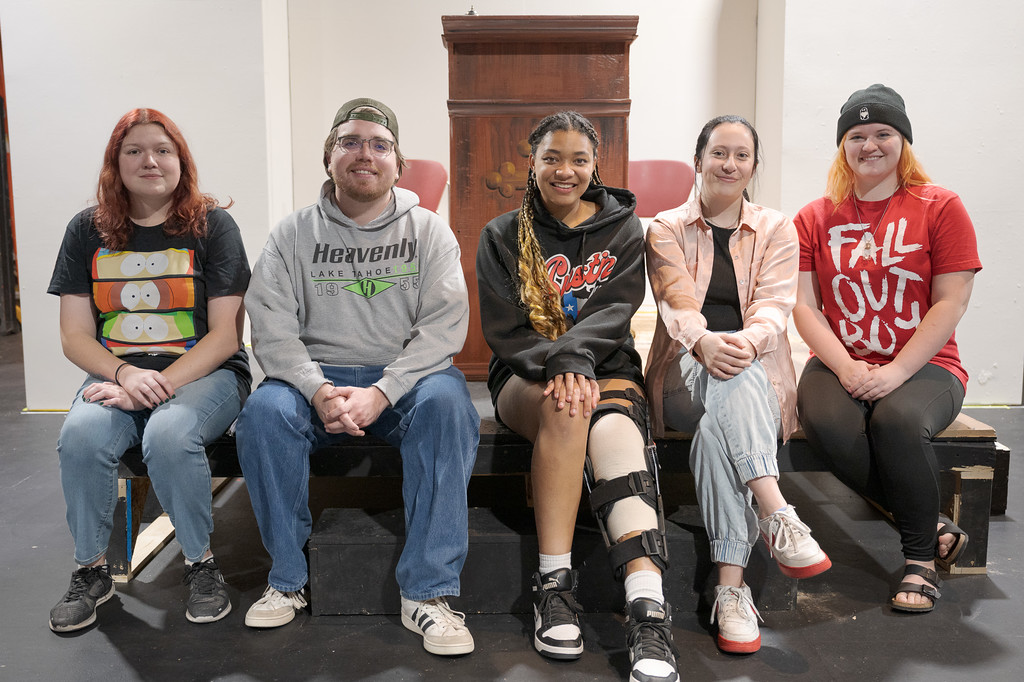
column 930, row 590
column 959, row 544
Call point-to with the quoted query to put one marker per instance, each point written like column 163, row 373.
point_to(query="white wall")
column 254, row 85
column 691, row 61
column 72, row 69
column 958, row 67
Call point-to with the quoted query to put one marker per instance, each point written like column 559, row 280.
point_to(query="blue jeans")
column 735, row 425
column 436, row 429
column 174, row 438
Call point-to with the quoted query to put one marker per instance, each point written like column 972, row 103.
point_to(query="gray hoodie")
column 326, row 290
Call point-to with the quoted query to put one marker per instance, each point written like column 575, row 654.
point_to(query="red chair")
column 427, row 178
column 659, row 185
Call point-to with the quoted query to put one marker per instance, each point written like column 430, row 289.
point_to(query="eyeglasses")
column 352, row 144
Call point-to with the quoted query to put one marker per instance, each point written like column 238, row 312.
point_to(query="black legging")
column 884, row 451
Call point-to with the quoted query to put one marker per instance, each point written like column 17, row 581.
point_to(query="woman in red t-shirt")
column 887, row 262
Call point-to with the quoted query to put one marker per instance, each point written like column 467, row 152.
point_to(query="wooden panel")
column 505, row 73
column 494, row 72
column 463, row 28
column 967, row 428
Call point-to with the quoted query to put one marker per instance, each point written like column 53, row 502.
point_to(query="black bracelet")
column 118, row 371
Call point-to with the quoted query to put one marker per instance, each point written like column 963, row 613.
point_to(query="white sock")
column 647, row 585
column 644, row 584
column 553, row 562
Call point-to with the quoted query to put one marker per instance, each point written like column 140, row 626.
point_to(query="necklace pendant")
column 868, row 249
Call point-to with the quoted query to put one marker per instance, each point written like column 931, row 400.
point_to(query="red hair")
column 840, row 185
column 187, row 215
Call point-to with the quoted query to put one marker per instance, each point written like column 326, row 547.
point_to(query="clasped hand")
column 725, row 355
column 868, row 382
column 573, row 390
column 139, row 389
column 349, row 409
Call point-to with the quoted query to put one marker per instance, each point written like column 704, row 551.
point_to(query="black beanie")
column 874, row 104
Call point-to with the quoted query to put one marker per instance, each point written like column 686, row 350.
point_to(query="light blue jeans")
column 436, row 429
column 174, row 438
column 735, row 425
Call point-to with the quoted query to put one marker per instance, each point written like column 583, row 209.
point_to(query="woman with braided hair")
column 559, row 280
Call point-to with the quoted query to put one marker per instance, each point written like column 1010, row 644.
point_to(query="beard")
column 363, row 190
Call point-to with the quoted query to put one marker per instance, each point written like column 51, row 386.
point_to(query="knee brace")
column 604, row 494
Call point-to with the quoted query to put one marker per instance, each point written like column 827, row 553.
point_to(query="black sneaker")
column 207, row 598
column 556, row 625
column 651, row 650
column 90, row 587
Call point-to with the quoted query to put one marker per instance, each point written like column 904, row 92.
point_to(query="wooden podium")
column 505, row 73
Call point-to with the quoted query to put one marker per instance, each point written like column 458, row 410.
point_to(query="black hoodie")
column 598, row 267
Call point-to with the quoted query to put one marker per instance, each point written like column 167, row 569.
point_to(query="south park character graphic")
column 146, row 300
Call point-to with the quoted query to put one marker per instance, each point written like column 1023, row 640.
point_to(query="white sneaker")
column 444, row 630
column 790, row 542
column 737, row 620
column 274, row 608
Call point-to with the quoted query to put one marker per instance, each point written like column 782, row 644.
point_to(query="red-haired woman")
column 887, row 263
column 150, row 283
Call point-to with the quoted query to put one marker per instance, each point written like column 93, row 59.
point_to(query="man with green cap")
column 358, row 304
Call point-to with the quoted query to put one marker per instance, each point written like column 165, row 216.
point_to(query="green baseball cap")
column 386, row 117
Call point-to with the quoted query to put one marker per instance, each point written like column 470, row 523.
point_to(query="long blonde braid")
column 536, row 291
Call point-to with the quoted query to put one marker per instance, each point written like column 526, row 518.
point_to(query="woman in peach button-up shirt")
column 724, row 275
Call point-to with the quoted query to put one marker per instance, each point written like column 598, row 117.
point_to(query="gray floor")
column 840, row 630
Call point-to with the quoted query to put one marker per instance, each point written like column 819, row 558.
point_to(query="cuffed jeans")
column 174, row 438
column 436, row 429
column 735, row 425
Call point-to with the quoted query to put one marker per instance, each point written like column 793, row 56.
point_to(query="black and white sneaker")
column 649, row 638
column 90, row 587
column 556, row 625
column 207, row 597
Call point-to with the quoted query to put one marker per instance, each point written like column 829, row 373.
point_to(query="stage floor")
column 840, row 630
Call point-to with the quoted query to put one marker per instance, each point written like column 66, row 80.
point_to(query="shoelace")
column 730, row 600
column 443, row 615
column 201, row 574
column 558, row 607
column 276, row 598
column 80, row 581
column 784, row 531
column 652, row 640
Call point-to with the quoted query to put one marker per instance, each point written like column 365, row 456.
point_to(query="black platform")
column 353, row 554
column 840, row 630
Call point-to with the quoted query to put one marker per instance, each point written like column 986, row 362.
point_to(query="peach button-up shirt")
column 680, row 254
